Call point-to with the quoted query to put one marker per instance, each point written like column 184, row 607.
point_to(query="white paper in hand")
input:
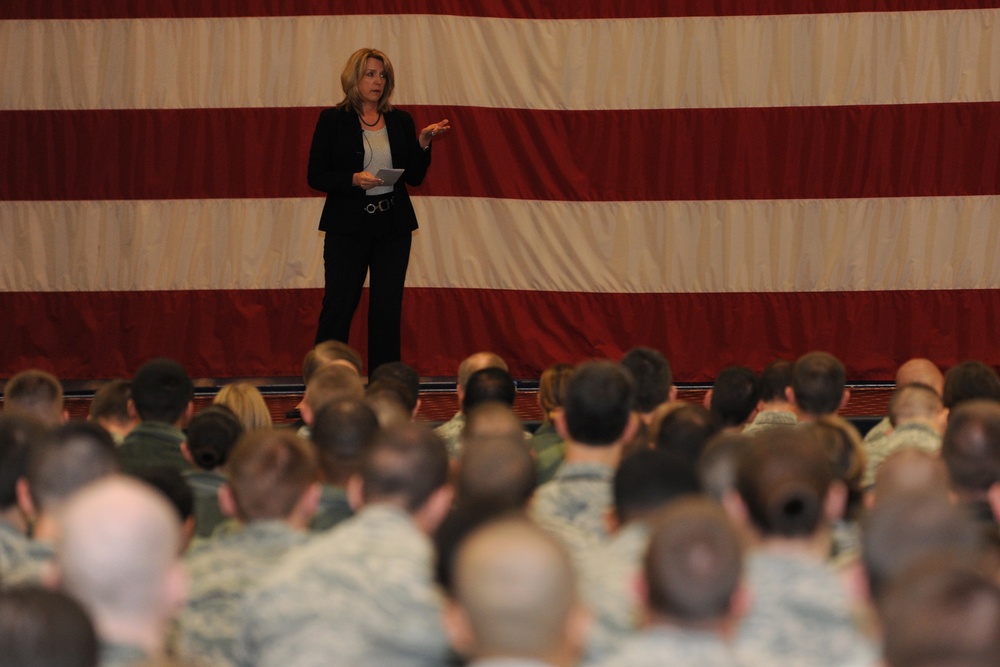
column 389, row 176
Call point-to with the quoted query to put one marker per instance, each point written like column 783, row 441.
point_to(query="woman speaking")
column 368, row 217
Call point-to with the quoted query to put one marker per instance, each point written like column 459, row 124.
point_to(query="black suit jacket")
column 337, row 153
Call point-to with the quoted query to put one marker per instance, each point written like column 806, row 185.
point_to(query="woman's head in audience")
column 44, row 628
column 552, row 389
column 246, row 402
column 211, row 435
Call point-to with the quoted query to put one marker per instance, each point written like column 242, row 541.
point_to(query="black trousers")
column 348, row 258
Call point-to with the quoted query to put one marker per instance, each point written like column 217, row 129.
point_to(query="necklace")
column 371, row 124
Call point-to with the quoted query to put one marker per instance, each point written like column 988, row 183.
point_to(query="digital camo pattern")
column 13, row 549
column 550, row 449
column 333, row 508
column 450, row 432
column 31, row 570
column 914, row 434
column 121, row 655
column 573, row 504
column 665, row 645
column 770, row 419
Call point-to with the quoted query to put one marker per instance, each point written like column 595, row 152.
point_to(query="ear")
column 458, row 628
column 706, row 402
column 416, row 411
column 559, row 419
column 64, row 417
column 23, row 491
column 993, row 498
column 941, row 420
column 845, row 399
column 631, row 428
column 740, row 602
column 790, row 395
column 430, row 515
column 188, row 413
column 133, row 414
column 672, row 393
column 187, row 454
column 611, row 522
column 735, row 508
column 355, row 492
column 306, row 411
column 227, row 502
column 175, row 589
column 308, row 503
column 835, row 503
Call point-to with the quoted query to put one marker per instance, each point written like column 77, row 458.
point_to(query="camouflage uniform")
column 121, row 655
column 800, row 615
column 359, row 594
column 13, row 549
column 573, row 504
column 38, row 555
column 912, row 434
column 667, row 645
column 549, row 449
column 450, row 432
column 205, row 487
column 221, row 573
column 769, row 419
column 873, row 438
column 333, row 508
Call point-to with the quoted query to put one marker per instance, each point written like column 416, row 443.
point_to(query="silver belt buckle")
column 382, row 205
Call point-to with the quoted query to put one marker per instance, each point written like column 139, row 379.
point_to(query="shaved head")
column 923, row 371
column 910, row 470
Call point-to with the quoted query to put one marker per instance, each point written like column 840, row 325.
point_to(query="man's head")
column 496, row 470
column 19, row 434
column 653, row 378
column 473, row 363
column 968, row 381
column 818, row 384
column 971, row 450
column 598, row 407
column 330, row 352
column 269, row 475
column 923, row 371
column 733, row 397
column 163, row 392
column 774, row 382
column 917, row 403
column 391, row 400
column 909, row 470
column 342, row 432
column 490, row 420
column 37, row 393
column 330, row 383
column 514, row 596
column 648, row 480
column 44, row 628
column 487, row 385
column 684, row 431
column 400, row 372
column 693, row 565
column 109, row 408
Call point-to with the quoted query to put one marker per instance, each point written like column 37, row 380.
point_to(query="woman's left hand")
column 432, row 131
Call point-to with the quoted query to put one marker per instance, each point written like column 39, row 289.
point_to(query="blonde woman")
column 246, row 401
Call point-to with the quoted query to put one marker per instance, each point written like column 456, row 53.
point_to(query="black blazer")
column 337, row 153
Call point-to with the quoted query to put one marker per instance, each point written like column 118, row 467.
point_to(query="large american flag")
column 730, row 182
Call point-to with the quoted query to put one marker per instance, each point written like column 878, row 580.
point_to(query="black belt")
column 380, row 205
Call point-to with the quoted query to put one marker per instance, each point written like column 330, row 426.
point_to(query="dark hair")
column 774, row 379
column 67, row 459
column 599, row 401
column 211, row 435
column 393, row 390
column 111, row 401
column 717, row 464
column 971, row 445
column 842, row 444
column 36, row 392
column 342, row 431
column 552, row 388
column 400, row 372
column 408, row 463
column 268, row 471
column 970, row 380
column 783, row 478
column 161, row 391
column 19, row 433
column 498, row 471
column 818, row 379
column 486, row 385
column 44, row 628
column 170, row 483
column 652, row 375
column 685, row 430
column 734, row 395
column 648, row 480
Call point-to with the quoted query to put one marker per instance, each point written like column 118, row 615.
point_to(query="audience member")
column 362, row 593
column 330, row 383
column 211, row 435
column 917, row 418
column 818, row 386
column 173, row 487
column 488, row 420
column 548, row 445
column 247, row 403
column 653, row 378
column 400, row 372
column 684, row 431
column 162, row 396
column 272, row 490
column 971, row 450
column 44, row 628
column 392, row 401
column 109, row 408
column 773, row 406
column 487, row 385
column 451, row 429
column 922, row 371
column 733, row 398
column 37, row 393
column 909, row 470
column 19, row 434
column 970, row 380
column 330, row 352
column 718, row 462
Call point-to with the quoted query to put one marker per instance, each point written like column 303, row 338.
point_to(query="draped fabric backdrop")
column 729, row 182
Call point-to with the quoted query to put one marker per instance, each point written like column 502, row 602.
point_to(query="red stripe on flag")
column 88, row 335
column 677, row 154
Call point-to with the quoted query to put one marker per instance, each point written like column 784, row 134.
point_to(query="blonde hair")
column 246, row 401
column 354, row 70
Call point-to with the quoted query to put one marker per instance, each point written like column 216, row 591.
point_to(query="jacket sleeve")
column 414, row 160
column 331, row 160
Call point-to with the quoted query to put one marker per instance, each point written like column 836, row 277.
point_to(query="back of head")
column 968, row 381
column 66, row 460
column 491, row 419
column 170, row 483
column 497, row 471
column 19, row 433
column 44, row 628
column 599, row 401
column 486, row 385
column 734, row 395
column 552, row 388
column 922, row 371
column 914, row 402
column 37, row 393
column 477, row 362
column 342, row 431
column 268, row 471
column 517, row 587
column 391, row 400
column 908, row 527
column 910, row 470
column 685, row 430
column 400, row 372
column 247, row 403
column 774, row 380
column 783, row 478
column 818, row 380
column 649, row 479
column 716, row 467
column 211, row 435
column 332, row 383
column 111, row 401
column 942, row 614
column 652, row 375
column 404, row 465
column 971, row 446
column 694, row 563
column 161, row 391
column 330, row 352
column 842, row 444
column 118, row 542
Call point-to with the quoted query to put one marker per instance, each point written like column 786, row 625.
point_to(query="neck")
column 142, row 633
column 45, row 529
column 608, row 455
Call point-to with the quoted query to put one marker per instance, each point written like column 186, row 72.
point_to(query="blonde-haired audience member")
column 247, row 403
column 548, row 445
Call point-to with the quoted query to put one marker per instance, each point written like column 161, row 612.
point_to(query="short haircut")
column 19, row 433
column 66, row 460
column 971, row 445
column 477, row 362
column 35, row 392
column 818, row 380
column 332, row 383
column 648, row 480
column 387, row 388
column 908, row 527
column 342, row 431
column 717, row 464
column 942, row 614
column 685, row 430
column 211, row 435
column 734, row 395
column 552, row 387
column 498, row 471
column 247, row 403
column 783, row 478
column 968, row 381
column 842, row 444
column 407, row 464
column 161, row 391
column 400, row 372
column 327, row 352
column 111, row 401
column 268, row 471
column 44, row 628
column 489, row 384
column 914, row 401
column 652, row 375
column 491, row 420
column 694, row 562
column 909, row 469
column 171, row 485
column 774, row 379
column 599, row 401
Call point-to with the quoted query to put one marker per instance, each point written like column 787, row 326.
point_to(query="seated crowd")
column 628, row 528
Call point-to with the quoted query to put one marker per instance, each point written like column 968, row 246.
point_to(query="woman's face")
column 372, row 83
